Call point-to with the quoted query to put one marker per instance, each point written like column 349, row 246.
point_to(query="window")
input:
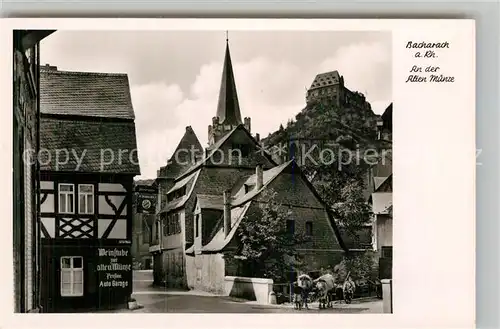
column 172, row 224
column 249, row 187
column 66, row 198
column 71, row 276
column 164, row 223
column 146, row 231
column 176, row 194
column 290, row 226
column 157, row 231
column 197, row 226
column 386, row 252
column 309, row 228
column 86, row 199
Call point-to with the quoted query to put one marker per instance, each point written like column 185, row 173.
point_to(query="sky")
column 175, row 76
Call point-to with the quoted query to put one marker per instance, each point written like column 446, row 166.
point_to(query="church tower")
column 228, row 108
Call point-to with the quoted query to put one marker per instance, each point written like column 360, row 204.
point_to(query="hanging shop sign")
column 146, row 199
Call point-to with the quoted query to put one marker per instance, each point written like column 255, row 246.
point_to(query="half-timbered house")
column 88, row 161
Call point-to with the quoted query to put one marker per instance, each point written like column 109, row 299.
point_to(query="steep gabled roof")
column 84, row 140
column 378, row 181
column 228, row 107
column 213, row 149
column 182, row 156
column 387, row 118
column 325, row 79
column 105, row 95
column 241, row 205
column 385, row 185
column 268, row 177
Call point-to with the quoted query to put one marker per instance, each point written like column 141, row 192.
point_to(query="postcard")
column 231, row 168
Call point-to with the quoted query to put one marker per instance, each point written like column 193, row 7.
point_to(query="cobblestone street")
column 160, row 300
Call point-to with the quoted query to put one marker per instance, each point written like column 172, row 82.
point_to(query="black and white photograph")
column 203, row 171
column 158, row 169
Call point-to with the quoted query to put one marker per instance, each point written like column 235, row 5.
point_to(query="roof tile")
column 102, row 146
column 84, row 93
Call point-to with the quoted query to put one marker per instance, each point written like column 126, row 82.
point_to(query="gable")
column 229, row 154
column 239, row 149
column 386, row 185
column 188, row 152
column 292, row 190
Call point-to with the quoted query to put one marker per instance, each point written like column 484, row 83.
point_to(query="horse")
column 325, row 286
column 305, row 283
column 323, row 296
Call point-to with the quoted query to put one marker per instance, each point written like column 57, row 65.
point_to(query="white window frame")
column 66, row 193
column 86, row 195
column 72, row 272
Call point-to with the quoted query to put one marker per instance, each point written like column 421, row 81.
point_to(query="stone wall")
column 256, row 289
column 174, row 268
column 206, row 272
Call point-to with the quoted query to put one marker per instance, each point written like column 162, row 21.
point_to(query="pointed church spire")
column 228, row 108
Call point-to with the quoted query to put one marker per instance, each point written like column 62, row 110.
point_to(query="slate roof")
column 213, row 149
column 144, row 182
column 84, row 139
column 378, row 181
column 228, row 107
column 182, row 160
column 385, row 186
column 387, row 118
column 326, row 79
column 207, row 201
column 267, row 175
column 84, row 93
column 240, row 205
column 189, row 182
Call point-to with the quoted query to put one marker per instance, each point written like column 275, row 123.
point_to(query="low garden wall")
column 256, row 289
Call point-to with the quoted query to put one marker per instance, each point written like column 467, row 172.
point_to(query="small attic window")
column 249, row 187
column 176, row 194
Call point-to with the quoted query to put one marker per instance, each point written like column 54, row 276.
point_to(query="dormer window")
column 179, row 193
column 249, row 187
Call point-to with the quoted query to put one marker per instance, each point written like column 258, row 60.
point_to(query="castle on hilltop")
column 330, row 87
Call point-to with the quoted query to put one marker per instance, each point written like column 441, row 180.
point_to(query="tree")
column 358, row 266
column 266, row 246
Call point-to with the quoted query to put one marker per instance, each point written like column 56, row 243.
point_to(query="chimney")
column 227, row 212
column 259, row 177
column 257, row 137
